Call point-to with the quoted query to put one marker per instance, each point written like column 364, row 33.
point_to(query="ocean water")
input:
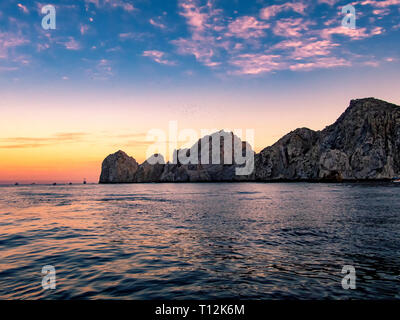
column 200, row 241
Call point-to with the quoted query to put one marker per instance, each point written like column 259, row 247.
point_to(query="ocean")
column 200, row 241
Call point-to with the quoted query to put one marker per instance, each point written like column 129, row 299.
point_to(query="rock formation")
column 151, row 170
column 118, row 168
column 205, row 169
column 363, row 144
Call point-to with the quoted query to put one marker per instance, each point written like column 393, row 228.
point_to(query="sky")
column 111, row 71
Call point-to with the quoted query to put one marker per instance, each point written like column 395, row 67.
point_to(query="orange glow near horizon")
column 66, row 142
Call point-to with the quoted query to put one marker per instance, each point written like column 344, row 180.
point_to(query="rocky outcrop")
column 151, row 170
column 205, row 168
column 118, row 168
column 363, row 144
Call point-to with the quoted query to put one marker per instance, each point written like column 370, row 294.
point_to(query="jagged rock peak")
column 118, row 168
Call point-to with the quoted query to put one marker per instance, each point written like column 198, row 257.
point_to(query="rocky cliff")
column 118, row 168
column 363, row 144
column 195, row 164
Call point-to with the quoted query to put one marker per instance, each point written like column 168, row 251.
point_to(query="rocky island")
column 363, row 144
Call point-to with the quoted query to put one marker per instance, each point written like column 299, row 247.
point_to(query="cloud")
column 83, row 29
column 247, row 27
column 199, row 47
column 381, row 4
column 271, row 11
column 36, row 142
column 321, row 63
column 9, row 41
column 195, row 14
column 23, row 8
column 301, row 49
column 355, row 34
column 158, row 56
column 101, row 70
column 329, row 2
column 215, row 39
column 205, row 24
column 157, row 24
column 137, row 36
column 7, row 69
column 70, row 44
column 114, row 4
column 290, row 27
column 251, row 64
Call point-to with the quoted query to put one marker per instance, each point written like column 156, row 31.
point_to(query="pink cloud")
column 247, row 27
column 373, row 64
column 273, row 10
column 306, row 48
column 157, row 56
column 381, row 4
column 125, row 5
column 195, row 15
column 355, row 34
column 157, row 24
column 71, row 44
column 23, row 8
column 9, row 41
column 320, row 63
column 205, row 22
column 101, row 70
column 252, row 64
column 199, row 47
column 83, row 29
column 381, row 12
column 329, row 2
column 290, row 27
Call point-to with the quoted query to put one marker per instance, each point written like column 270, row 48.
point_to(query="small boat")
column 16, row 184
column 84, row 181
column 54, row 184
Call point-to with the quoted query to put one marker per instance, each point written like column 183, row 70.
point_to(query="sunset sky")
column 113, row 70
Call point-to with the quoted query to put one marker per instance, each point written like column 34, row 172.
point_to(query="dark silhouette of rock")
column 203, row 170
column 151, row 170
column 363, row 144
column 118, row 168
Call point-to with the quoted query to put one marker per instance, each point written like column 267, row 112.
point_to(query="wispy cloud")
column 302, row 48
column 204, row 22
column 154, row 23
column 271, row 11
column 101, row 70
column 247, row 27
column 36, row 142
column 257, row 63
column 9, row 41
column 321, row 63
column 23, row 8
column 125, row 5
column 70, row 43
column 158, row 56
column 356, row 34
column 291, row 27
column 380, row 3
